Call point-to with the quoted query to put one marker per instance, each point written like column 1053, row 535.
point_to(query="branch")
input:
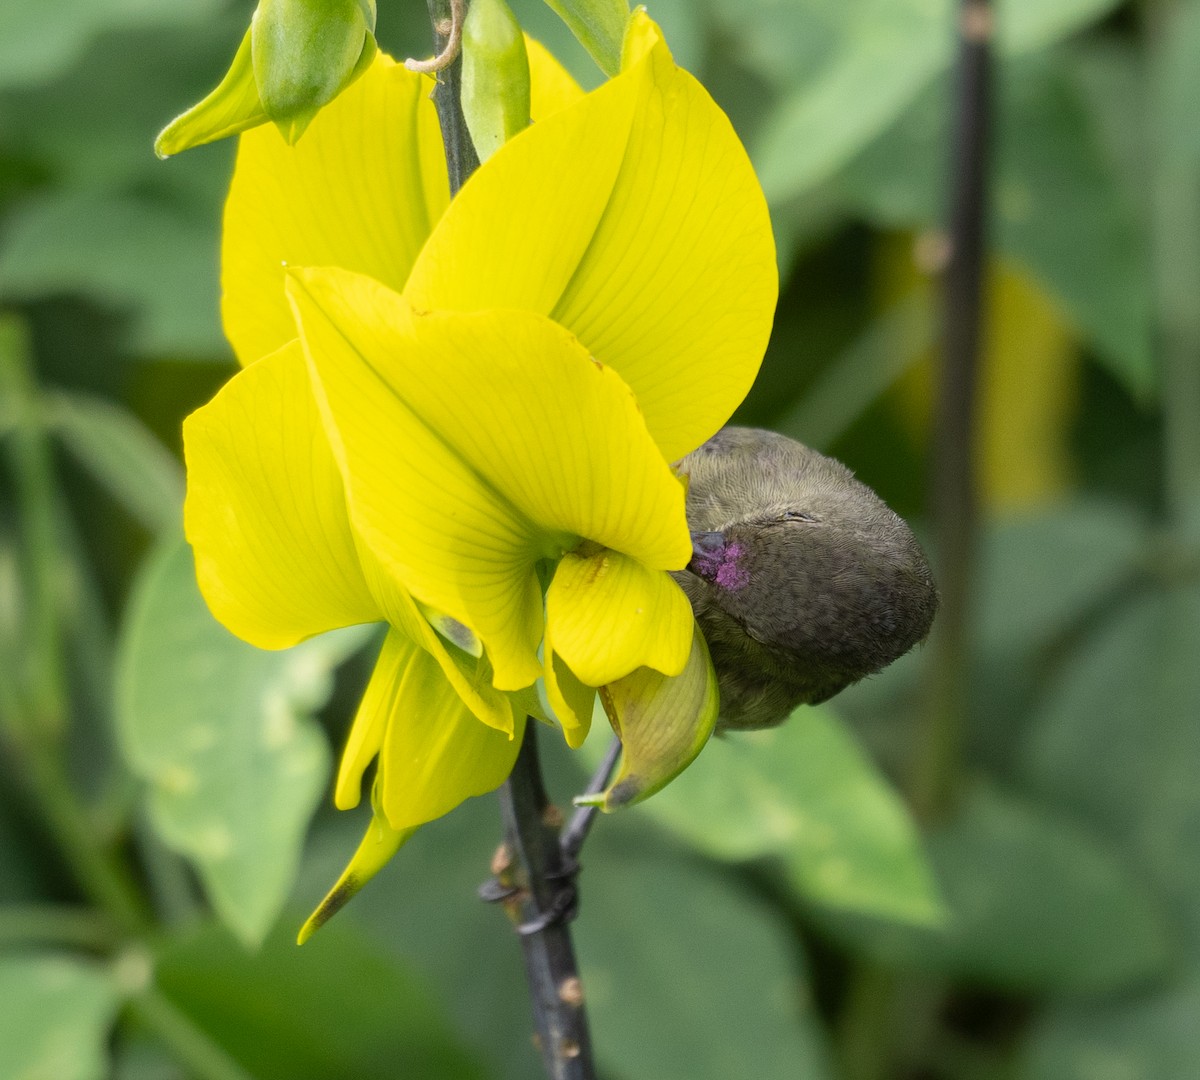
column 955, row 500
column 582, row 820
column 461, row 159
column 541, row 898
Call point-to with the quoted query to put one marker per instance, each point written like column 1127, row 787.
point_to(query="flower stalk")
column 539, row 885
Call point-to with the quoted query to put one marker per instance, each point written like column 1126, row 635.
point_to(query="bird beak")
column 706, row 546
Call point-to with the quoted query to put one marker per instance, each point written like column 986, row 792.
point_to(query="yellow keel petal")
column 435, row 752
column 379, row 844
column 608, row 615
column 663, row 723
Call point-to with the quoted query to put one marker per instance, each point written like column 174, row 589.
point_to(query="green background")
column 776, row 913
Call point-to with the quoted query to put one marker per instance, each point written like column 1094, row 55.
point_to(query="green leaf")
column 55, row 1020
column 888, row 52
column 337, row 1009
column 806, row 793
column 1034, row 904
column 599, row 25
column 38, row 40
column 131, row 254
column 1061, row 210
column 221, row 732
column 114, row 446
column 1043, row 573
column 1147, row 1037
column 687, row 976
column 1116, row 743
column 878, row 56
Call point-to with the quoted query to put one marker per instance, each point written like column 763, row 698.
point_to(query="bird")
column 802, row 580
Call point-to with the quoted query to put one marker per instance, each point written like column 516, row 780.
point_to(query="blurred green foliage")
column 775, row 913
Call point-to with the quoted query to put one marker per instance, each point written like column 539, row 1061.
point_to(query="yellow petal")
column 510, row 238
column 551, row 87
column 474, row 445
column 608, row 614
column 470, row 676
column 266, row 511
column 379, row 844
column 663, row 723
column 571, row 701
column 362, row 190
column 653, row 245
column 435, row 752
column 370, row 721
column 432, row 522
column 677, row 289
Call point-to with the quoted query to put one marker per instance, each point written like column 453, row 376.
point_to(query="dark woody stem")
column 461, row 159
column 532, row 867
column 954, row 495
column 534, row 879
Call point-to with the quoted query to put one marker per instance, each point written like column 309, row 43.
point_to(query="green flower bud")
column 495, row 76
column 297, row 56
column 305, row 53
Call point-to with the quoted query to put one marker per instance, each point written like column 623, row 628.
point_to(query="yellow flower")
column 447, row 411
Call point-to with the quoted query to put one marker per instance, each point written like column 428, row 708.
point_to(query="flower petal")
column 570, row 700
column 431, row 521
column 677, row 289
column 435, row 752
column 510, row 239
column 662, row 722
column 266, row 511
column 362, row 190
column 470, row 676
column 552, row 88
column 370, row 721
column 653, row 245
column 378, row 845
column 608, row 614
column 514, row 445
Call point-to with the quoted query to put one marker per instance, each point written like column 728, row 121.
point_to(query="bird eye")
column 798, row 515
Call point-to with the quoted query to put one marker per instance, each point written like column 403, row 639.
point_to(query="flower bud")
column 495, row 76
column 297, row 56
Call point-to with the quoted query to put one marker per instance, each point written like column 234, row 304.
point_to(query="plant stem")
column 39, row 685
column 1176, row 246
column 543, row 889
column 955, row 500
column 189, row 1045
column 461, row 159
column 576, row 832
column 532, row 835
column 56, row 924
column 33, row 714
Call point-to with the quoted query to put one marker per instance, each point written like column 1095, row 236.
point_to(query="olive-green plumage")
column 803, row 581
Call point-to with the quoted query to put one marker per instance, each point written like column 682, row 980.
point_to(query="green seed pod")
column 495, row 76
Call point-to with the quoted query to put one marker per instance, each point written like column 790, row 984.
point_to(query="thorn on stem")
column 570, row 991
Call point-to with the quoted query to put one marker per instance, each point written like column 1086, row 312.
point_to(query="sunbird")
column 802, row 579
